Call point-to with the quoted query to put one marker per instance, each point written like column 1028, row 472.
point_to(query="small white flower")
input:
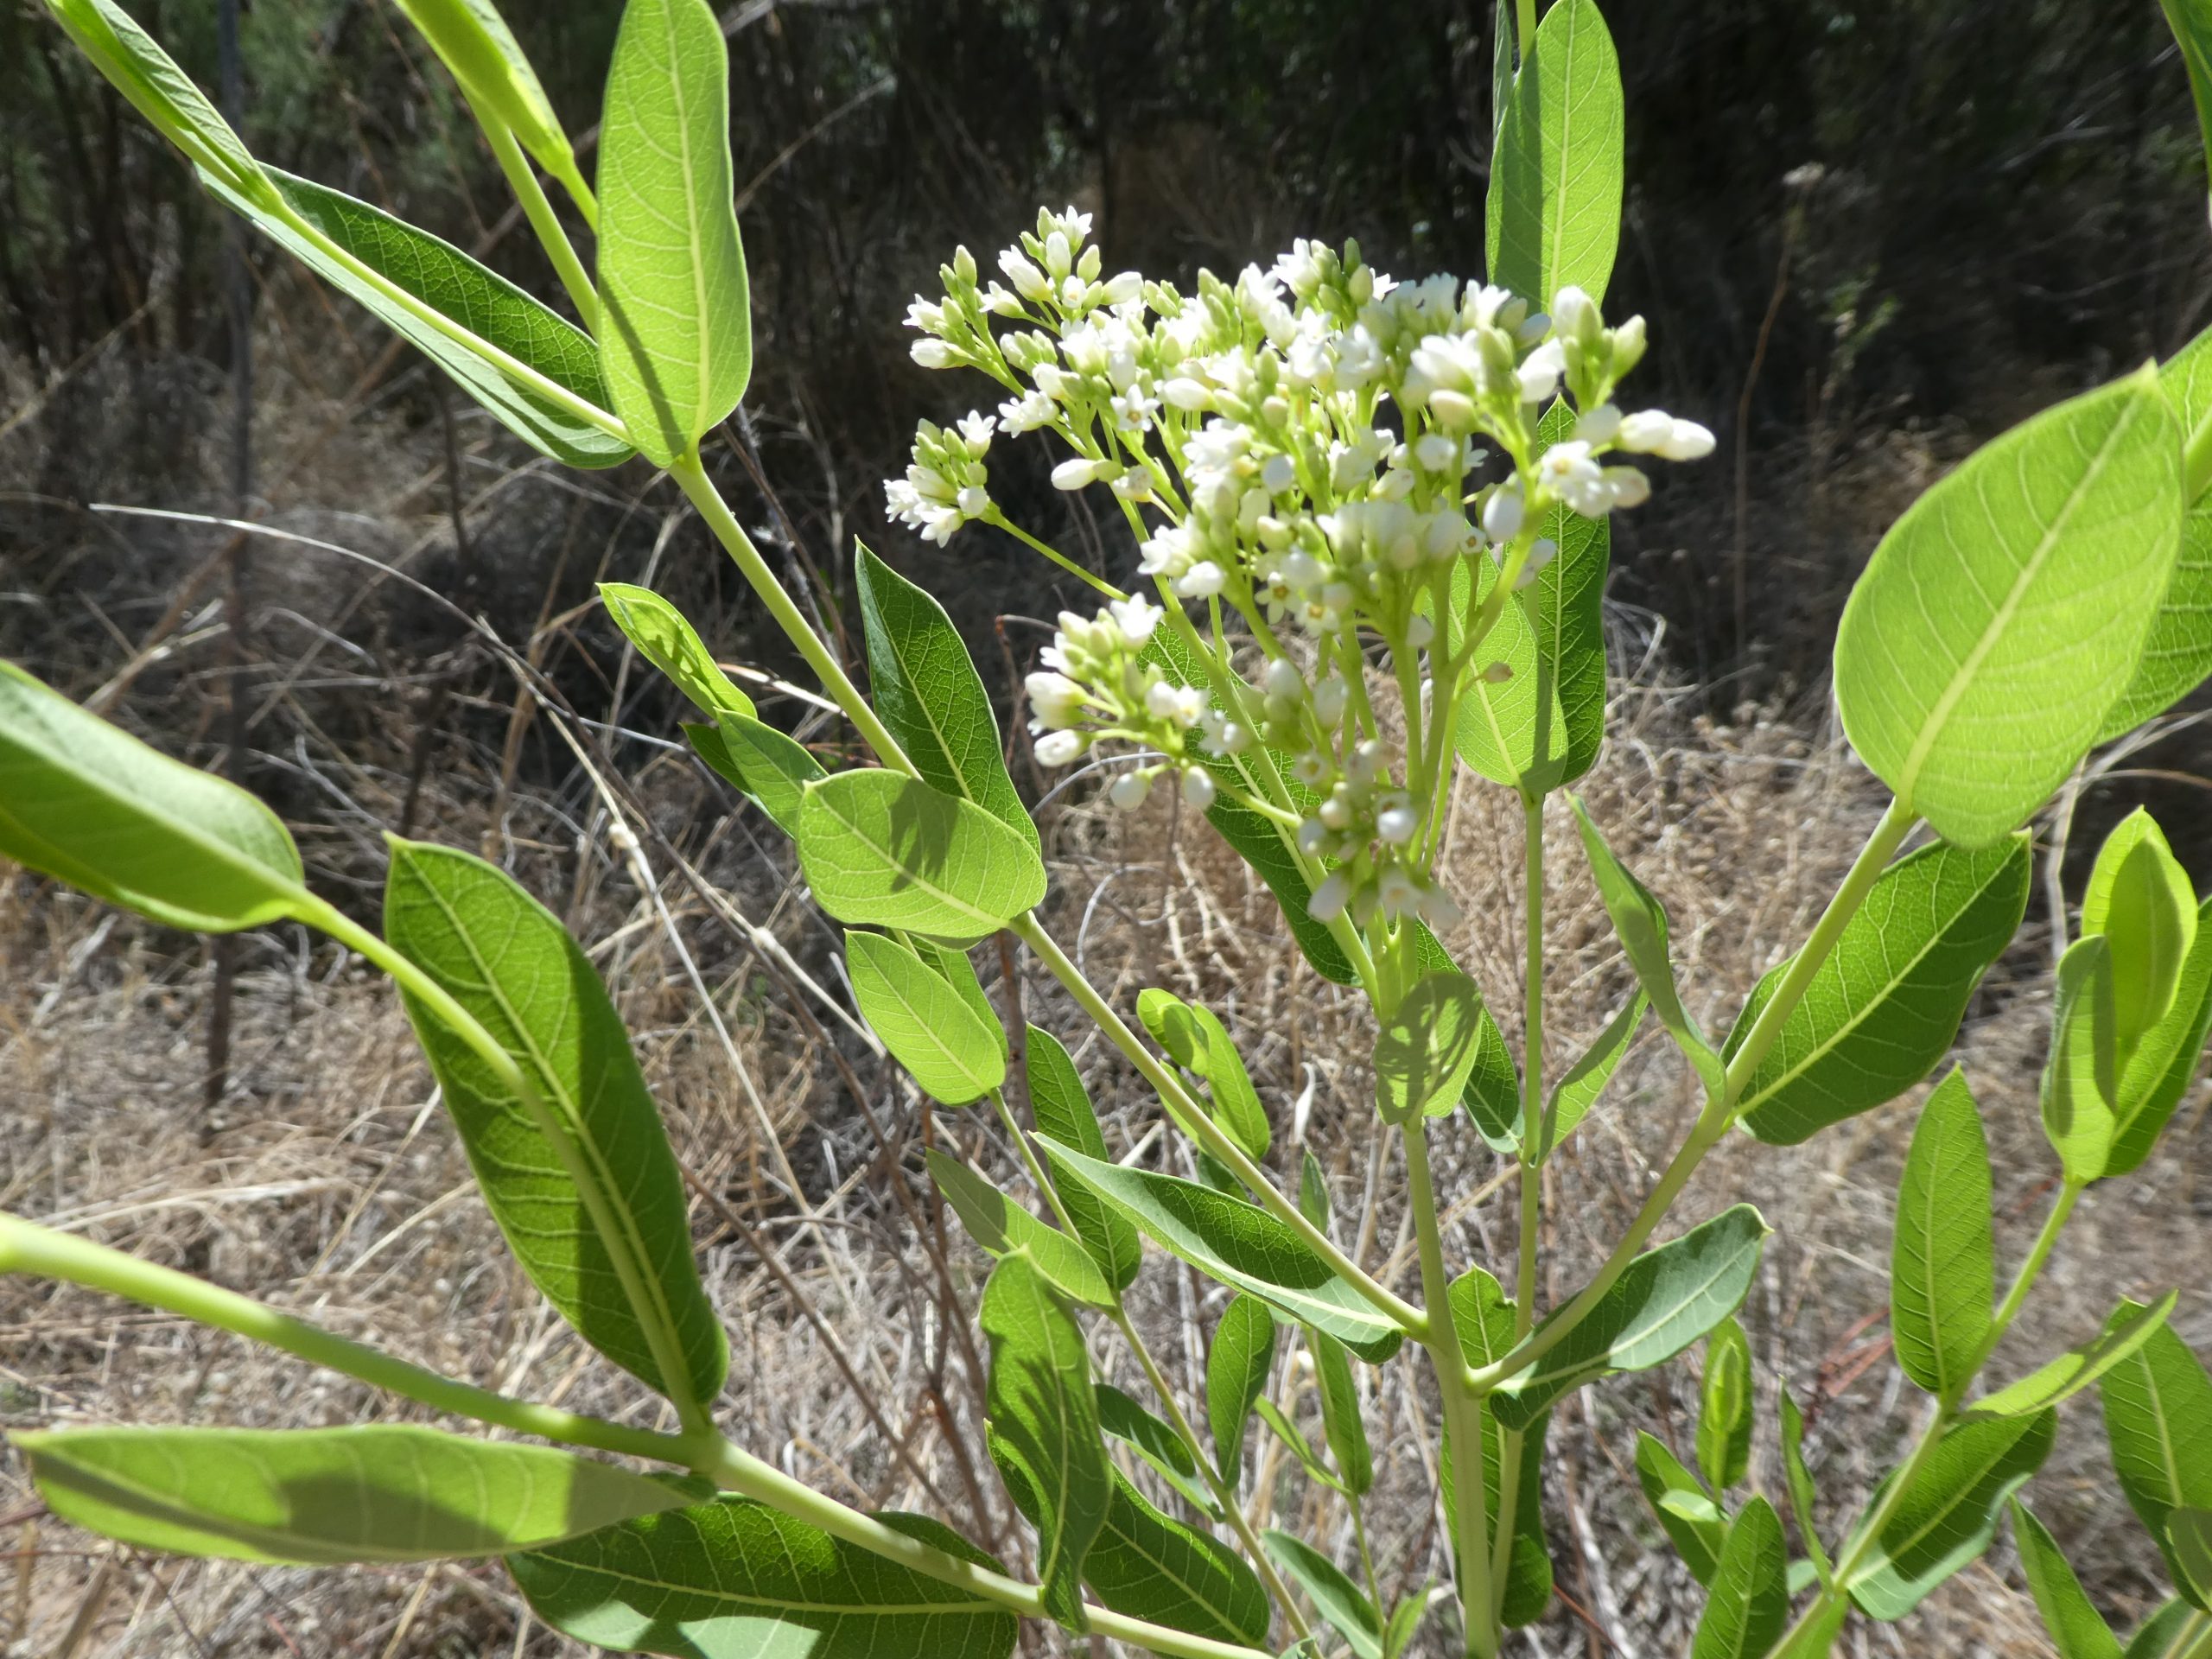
column 1283, row 680
column 1574, row 314
column 1202, row 581
column 1027, row 413
column 1539, row 374
column 1645, row 430
column 1686, row 440
column 934, row 354
column 976, row 430
column 926, row 315
column 1330, row 697
column 1058, row 749
column 1630, row 488
column 1438, row 453
column 1198, row 788
column 1504, row 514
column 1330, row 898
column 1120, row 288
column 1029, row 281
column 1075, row 473
column 1396, row 826
column 1600, row 426
column 1136, row 617
column 973, row 501
column 1184, row 393
column 1280, row 475
column 1055, row 700
column 1129, row 790
column 1311, row 769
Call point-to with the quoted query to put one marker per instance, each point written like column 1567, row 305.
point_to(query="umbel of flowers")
column 1348, row 464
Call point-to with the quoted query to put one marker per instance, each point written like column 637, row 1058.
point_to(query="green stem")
column 539, row 212
column 1463, row 1408
column 1526, row 12
column 992, row 517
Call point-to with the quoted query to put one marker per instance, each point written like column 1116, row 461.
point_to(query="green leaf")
column 1578, row 1091
column 2129, row 1328
column 311, row 1496
column 1003, row 1227
column 1566, row 610
column 1948, row 1514
column 1817, row 1639
column 735, row 1579
column 2080, row 1085
column 1883, row 1008
column 1151, row 1567
column 2077, row 1630
column 1062, row 1109
column 1482, row 1316
column 1750, row 1602
column 1942, row 1262
column 1045, row 1436
column 2157, row 1408
column 473, row 42
column 1665, row 1300
column 1125, row 1420
column 675, row 318
column 1405, row 1620
column 2139, row 899
column 1195, row 1039
column 956, row 1054
column 1238, row 1365
column 1342, row 1422
column 767, row 767
column 671, row 645
column 2192, row 22
column 1314, row 1192
column 1426, row 1047
column 1799, row 1479
column 2189, row 1537
column 881, row 849
column 530, row 344
column 1492, row 1096
column 1257, row 840
column 2006, row 611
column 2167, row 1059
column 1555, row 208
column 1512, row 731
column 921, row 681
column 1301, row 1448
column 1724, row 1419
column 2177, row 655
column 1641, row 925
column 582, row 1184
column 1691, row 1520
column 1238, row 1243
column 1334, row 1596
column 89, row 804
column 136, row 66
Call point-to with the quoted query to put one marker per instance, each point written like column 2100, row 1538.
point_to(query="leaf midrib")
column 1556, row 239
column 703, row 374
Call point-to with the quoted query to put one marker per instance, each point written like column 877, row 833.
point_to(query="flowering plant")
column 1369, row 529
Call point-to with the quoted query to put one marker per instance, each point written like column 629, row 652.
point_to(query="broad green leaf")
column 1289, row 1433
column 1314, row 1192
column 950, row 962
column 1238, row 1363
column 1151, row 1567
column 89, row 804
column 671, row 644
column 1512, row 731
column 1750, row 1602
column 2178, row 653
column 136, row 66
column 1003, row 1227
column 528, row 345
column 888, row 850
column 311, row 1496
column 1691, row 1520
column 1948, row 1514
column 2157, row 1407
column 1236, row 1103
column 1044, row 1432
column 735, row 1579
column 1942, row 1259
column 2169, row 1633
column 921, row 681
column 1641, row 925
column 1342, row 1422
column 2192, row 22
column 2189, row 1537
column 1566, row 610
column 2129, row 1328
column 1334, row 1596
column 582, row 1183
column 1238, row 1243
column 2080, row 1085
column 1492, row 1096
column 473, row 42
column 1427, row 1046
column 2139, row 899
column 1724, row 1418
column 1125, row 1420
column 675, row 319
column 769, row 768
column 2166, row 1060
column 2077, row 1630
column 1665, row 1300
column 1483, row 1317
column 1884, row 1006
column 1578, row 1091
column 1555, row 208
column 955, row 1054
column 1062, row 1108
column 2006, row 611
column 1799, row 1479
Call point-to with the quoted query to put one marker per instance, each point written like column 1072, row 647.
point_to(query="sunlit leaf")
column 1150, row 1566
column 2129, row 1328
column 1578, row 1090
column 478, row 49
column 1750, row 1601
column 1062, row 1109
column 1554, row 204
column 1724, row 1418
column 671, row 644
column 1687, row 1513
column 1426, row 1047
column 1002, row 1228
column 2167, row 1059
column 2139, row 899
column 2158, row 1410
column 769, row 768
column 2080, row 1082
column 1567, row 611
column 887, row 850
column 1948, row 1514
column 955, row 1053
column 1943, row 1258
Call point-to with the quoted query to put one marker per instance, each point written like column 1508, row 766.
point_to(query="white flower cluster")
column 1315, row 449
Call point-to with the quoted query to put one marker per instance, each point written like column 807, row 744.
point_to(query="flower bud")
column 1058, row 749
column 1283, row 680
column 1600, row 426
column 1129, row 790
column 1397, row 825
column 1184, row 393
column 1628, row 346
column 1502, row 514
column 1198, row 788
column 1079, row 471
column 1686, row 440
column 934, row 354
column 1575, row 316
column 1329, row 899
column 1646, row 430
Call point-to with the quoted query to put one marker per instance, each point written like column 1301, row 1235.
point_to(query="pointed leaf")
column 1342, row 1422
column 2177, row 655
column 478, row 49
column 1289, row 1433
column 1235, row 1102
column 1125, row 1420
column 887, row 850
column 1555, row 206
column 1062, row 1109
column 769, row 768
column 1948, row 1516
column 2129, row 1328
column 89, row 804
column 2006, row 611
column 2167, row 1059
column 2080, row 1085
column 1152, row 1567
column 667, row 640
column 1238, row 1365
column 2139, row 899
column 1241, row 1245
column 1943, row 1263
column 1665, row 1300
column 582, row 1181
column 1883, row 1008
column 1578, row 1091
column 1426, row 1048
column 309, row 1497
column 2157, row 1407
column 1045, row 1435
column 1334, row 1596
column 956, row 1055
column 2077, row 1630
column 1799, row 1479
column 675, row 317
column 1003, row 1227
column 1724, row 1419
column 1483, row 1316
column 1258, row 844
column 1750, row 1602
column 1566, row 610
column 1405, row 1620
column 1691, row 1520
column 735, row 1579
